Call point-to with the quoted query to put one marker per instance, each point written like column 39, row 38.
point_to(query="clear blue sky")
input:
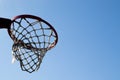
column 89, row 39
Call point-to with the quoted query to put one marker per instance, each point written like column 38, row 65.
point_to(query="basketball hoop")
column 32, row 37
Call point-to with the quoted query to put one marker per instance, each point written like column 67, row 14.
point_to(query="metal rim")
column 37, row 18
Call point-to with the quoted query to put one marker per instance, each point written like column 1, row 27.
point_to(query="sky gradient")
column 89, row 39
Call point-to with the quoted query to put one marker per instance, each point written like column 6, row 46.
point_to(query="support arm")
column 5, row 23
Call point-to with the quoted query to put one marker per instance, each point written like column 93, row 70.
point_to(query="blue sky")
column 89, row 39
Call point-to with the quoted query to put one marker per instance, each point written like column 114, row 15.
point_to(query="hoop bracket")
column 5, row 23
